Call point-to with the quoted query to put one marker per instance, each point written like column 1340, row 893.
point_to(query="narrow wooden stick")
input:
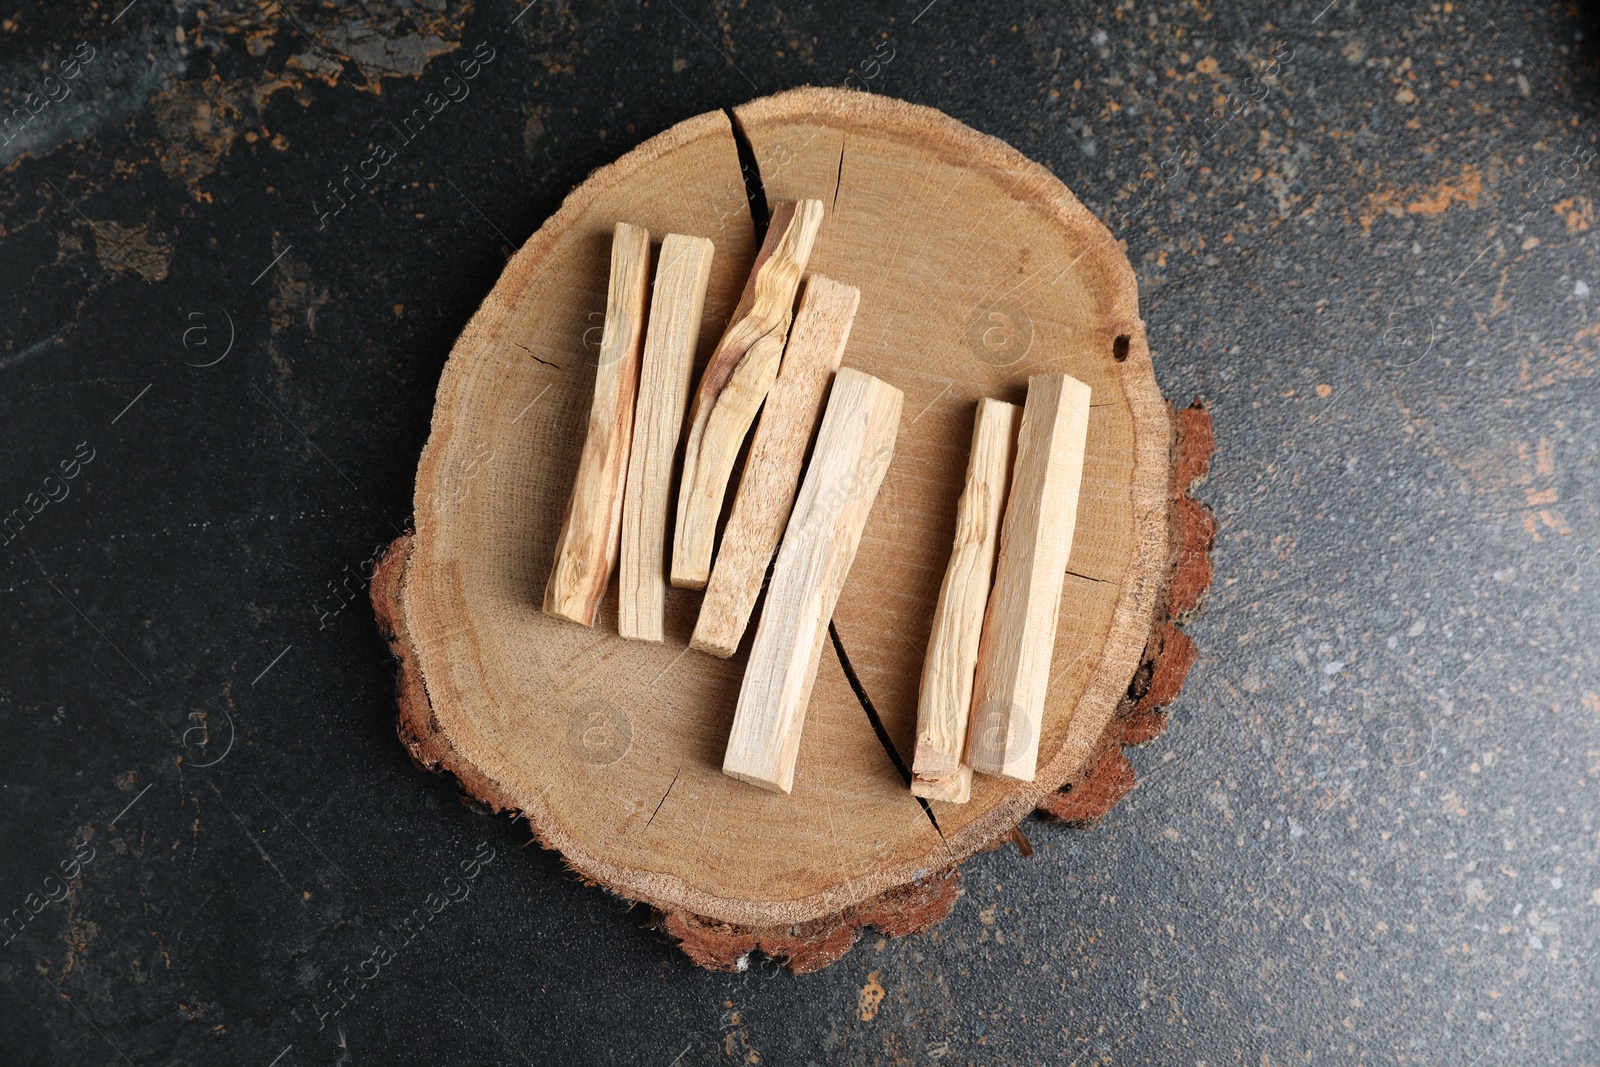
column 1019, row 627
column 772, row 472
column 735, row 383
column 586, row 551
column 677, row 303
column 853, row 450
column 937, row 770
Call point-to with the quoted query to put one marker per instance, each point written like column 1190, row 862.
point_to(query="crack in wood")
column 754, row 190
column 878, row 727
column 662, row 801
column 838, row 180
column 535, row 358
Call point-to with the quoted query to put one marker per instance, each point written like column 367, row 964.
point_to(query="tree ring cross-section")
column 977, row 268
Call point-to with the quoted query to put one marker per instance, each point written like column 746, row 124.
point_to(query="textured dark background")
column 1369, row 834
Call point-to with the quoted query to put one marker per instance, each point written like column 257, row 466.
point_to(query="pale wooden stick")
column 772, row 471
column 952, row 788
column 677, row 303
column 1019, row 627
column 853, row 450
column 586, row 551
column 946, row 697
column 735, row 383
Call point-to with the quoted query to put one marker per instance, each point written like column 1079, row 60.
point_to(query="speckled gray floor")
column 1369, row 834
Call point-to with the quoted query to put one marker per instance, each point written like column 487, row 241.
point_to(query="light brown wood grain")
column 1019, row 626
column 677, row 303
column 938, row 772
column 613, row 749
column 586, row 551
column 854, row 447
column 772, row 471
column 953, row 787
column 735, row 383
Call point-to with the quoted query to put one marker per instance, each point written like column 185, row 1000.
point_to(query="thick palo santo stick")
column 946, row 697
column 1019, row 627
column 586, row 551
column 735, row 383
column 772, row 471
column 853, row 450
column 676, row 305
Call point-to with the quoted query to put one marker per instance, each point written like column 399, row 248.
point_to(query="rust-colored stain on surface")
column 201, row 119
column 870, row 998
column 1576, row 211
column 1429, row 201
column 1537, row 494
column 134, row 249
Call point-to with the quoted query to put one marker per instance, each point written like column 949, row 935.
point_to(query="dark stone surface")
column 1369, row 835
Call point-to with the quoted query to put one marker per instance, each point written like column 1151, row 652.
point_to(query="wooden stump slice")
column 976, row 268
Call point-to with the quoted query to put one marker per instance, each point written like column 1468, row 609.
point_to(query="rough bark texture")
column 811, row 946
column 1142, row 715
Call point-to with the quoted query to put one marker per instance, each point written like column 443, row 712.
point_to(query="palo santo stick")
column 735, row 383
column 953, row 788
column 937, row 772
column 586, row 551
column 772, row 472
column 853, row 450
column 676, row 304
column 1019, row 627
